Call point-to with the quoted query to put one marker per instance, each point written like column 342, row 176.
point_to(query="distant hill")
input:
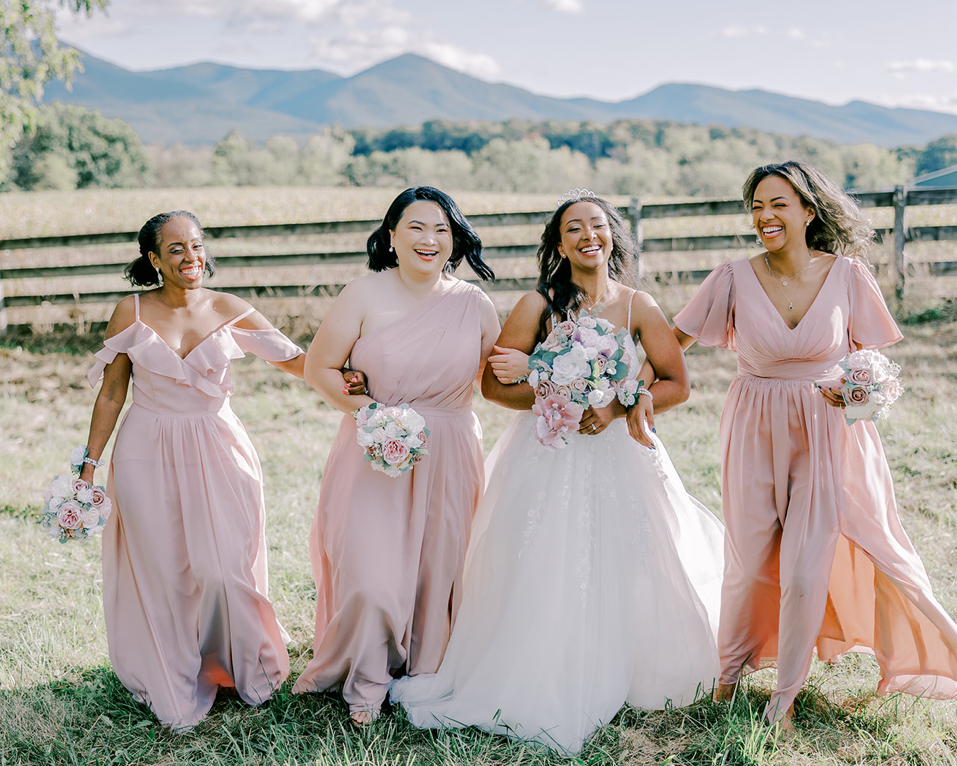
column 201, row 103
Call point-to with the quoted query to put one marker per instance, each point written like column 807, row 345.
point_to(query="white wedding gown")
column 592, row 579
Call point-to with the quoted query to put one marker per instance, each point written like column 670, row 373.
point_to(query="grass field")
column 61, row 703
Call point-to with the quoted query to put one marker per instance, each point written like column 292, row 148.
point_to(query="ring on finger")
column 593, row 427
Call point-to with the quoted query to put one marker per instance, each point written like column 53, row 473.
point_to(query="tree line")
column 70, row 147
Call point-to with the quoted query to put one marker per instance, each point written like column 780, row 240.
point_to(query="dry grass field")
column 61, row 704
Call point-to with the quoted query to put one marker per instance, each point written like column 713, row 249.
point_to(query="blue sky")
column 890, row 53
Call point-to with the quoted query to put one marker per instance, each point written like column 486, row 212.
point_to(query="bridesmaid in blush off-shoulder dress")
column 815, row 553
column 387, row 553
column 184, row 553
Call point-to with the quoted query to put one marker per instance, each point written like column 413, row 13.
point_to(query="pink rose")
column 70, row 516
column 567, row 328
column 544, row 389
column 395, row 452
column 854, row 396
column 607, row 345
column 79, row 484
column 859, row 377
column 99, row 498
column 551, row 343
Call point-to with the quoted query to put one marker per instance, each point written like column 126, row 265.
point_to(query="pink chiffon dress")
column 388, row 553
column 184, row 552
column 815, row 555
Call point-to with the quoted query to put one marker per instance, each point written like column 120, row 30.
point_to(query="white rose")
column 569, row 366
column 76, row 455
column 85, row 495
column 413, row 441
column 587, row 321
column 91, row 518
column 392, row 430
column 379, row 436
column 365, row 439
column 598, row 398
column 62, row 486
column 55, row 502
column 533, row 378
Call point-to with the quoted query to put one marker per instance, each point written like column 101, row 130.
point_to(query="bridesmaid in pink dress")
column 388, row 553
column 815, row 555
column 184, row 552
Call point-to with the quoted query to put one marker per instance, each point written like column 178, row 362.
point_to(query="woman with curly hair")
column 592, row 578
column 815, row 556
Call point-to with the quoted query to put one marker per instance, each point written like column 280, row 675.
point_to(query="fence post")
column 3, row 309
column 900, row 235
column 637, row 234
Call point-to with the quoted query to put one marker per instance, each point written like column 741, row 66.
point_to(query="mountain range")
column 201, row 103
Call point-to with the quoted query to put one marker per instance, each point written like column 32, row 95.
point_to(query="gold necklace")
column 782, row 283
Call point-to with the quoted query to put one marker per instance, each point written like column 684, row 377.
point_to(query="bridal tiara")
column 576, row 195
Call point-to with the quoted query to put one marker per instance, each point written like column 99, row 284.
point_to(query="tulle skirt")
column 592, row 579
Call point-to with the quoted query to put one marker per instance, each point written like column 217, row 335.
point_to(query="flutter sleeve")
column 870, row 324
column 709, row 315
column 120, row 343
column 270, row 345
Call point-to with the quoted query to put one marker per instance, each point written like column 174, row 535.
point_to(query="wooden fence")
column 30, row 285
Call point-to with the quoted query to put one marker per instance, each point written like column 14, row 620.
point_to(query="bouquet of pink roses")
column 580, row 364
column 869, row 385
column 393, row 437
column 74, row 509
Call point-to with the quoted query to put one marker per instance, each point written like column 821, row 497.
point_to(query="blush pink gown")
column 388, row 553
column 815, row 555
column 184, row 552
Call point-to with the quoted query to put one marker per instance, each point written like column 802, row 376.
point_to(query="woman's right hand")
column 354, row 382
column 509, row 365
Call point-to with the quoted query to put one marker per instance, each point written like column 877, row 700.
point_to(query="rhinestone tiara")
column 575, row 195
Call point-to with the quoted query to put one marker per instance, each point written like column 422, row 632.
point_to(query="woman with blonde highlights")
column 815, row 556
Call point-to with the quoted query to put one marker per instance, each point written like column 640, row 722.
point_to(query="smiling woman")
column 184, row 553
column 388, row 553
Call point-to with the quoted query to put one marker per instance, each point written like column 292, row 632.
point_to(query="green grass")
column 61, row 704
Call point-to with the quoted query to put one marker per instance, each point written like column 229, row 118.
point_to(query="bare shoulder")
column 530, row 304
column 642, row 301
column 228, row 305
column 124, row 314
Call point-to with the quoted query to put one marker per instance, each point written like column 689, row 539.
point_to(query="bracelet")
column 97, row 463
column 644, row 392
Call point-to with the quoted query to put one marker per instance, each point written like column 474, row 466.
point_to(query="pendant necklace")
column 595, row 308
column 782, row 283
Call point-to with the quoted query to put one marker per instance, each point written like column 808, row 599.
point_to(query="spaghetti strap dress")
column 592, row 579
column 815, row 557
column 184, row 552
column 388, row 553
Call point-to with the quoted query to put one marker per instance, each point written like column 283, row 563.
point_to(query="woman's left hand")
column 832, row 396
column 509, row 365
column 641, row 421
column 595, row 421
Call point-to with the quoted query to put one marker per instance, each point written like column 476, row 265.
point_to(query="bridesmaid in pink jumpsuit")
column 815, row 555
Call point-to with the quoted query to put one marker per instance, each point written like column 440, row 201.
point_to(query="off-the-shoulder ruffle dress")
column 184, row 552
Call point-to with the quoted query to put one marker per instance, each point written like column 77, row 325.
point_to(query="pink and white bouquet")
column 580, row 364
column 393, row 437
column 869, row 385
column 74, row 509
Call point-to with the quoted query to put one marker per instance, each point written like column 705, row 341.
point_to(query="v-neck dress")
column 388, row 553
column 815, row 555
column 184, row 552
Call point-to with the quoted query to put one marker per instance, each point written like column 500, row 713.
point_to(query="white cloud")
column 923, row 101
column 738, row 30
column 360, row 48
column 564, row 6
column 795, row 33
column 922, row 65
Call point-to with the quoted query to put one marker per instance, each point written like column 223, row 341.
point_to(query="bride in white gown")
column 592, row 578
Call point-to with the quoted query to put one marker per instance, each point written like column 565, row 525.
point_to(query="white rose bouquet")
column 393, row 437
column 869, row 385
column 580, row 364
column 74, row 509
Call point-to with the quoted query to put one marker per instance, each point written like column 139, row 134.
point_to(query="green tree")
column 30, row 55
column 938, row 155
column 71, row 142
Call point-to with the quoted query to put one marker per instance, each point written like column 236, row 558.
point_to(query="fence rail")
column 635, row 213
